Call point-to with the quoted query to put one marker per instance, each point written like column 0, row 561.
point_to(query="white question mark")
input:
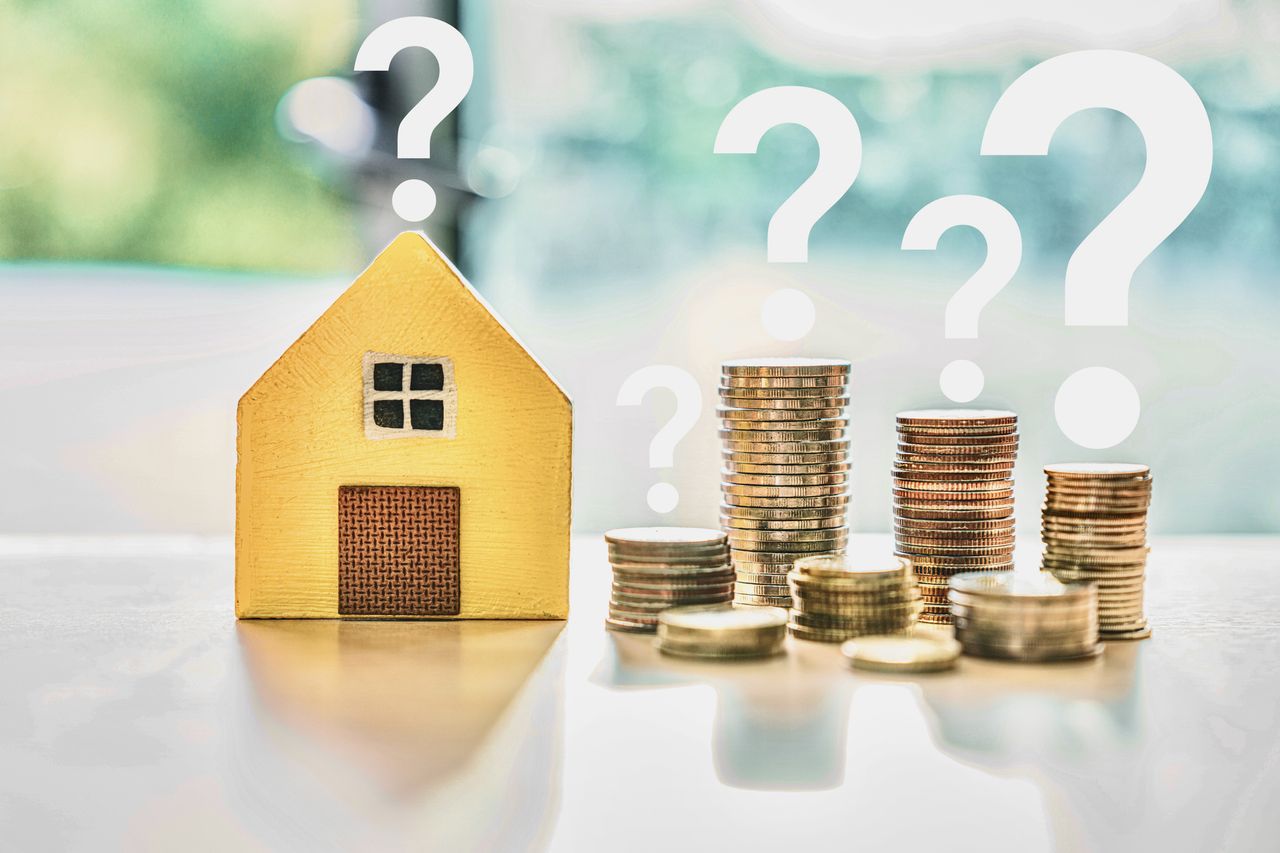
column 414, row 200
column 663, row 497
column 1099, row 407
column 789, row 314
column 962, row 380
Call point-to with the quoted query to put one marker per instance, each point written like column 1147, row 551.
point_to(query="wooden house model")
column 406, row 458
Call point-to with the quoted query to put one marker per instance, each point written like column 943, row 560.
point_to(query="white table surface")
column 136, row 713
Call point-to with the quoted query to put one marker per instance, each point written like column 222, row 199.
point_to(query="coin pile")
column 655, row 568
column 953, row 497
column 785, row 471
column 1094, row 526
column 1024, row 617
column 835, row 598
column 722, row 631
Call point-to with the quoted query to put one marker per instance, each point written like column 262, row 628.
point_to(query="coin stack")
column 722, row 631
column 1095, row 529
column 655, row 568
column 835, row 598
column 953, row 497
column 1026, row 618
column 785, row 468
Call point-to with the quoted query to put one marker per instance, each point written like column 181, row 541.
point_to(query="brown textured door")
column 398, row 551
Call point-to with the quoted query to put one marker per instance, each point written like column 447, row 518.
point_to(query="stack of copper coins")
column 953, row 497
column 785, row 470
column 1095, row 530
column 655, row 568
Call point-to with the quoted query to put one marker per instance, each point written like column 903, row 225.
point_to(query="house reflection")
column 407, row 720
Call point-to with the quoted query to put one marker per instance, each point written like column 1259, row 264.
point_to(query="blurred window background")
column 184, row 187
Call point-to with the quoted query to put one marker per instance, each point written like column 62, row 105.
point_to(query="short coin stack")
column 953, row 497
column 836, row 598
column 722, row 631
column 785, row 468
column 1095, row 529
column 1026, row 618
column 655, row 568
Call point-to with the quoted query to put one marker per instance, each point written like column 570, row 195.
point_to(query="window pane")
column 388, row 413
column 426, row 377
column 388, row 376
column 426, row 414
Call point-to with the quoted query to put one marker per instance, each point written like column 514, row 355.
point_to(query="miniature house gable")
column 406, row 457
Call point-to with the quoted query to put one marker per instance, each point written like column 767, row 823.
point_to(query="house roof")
column 418, row 243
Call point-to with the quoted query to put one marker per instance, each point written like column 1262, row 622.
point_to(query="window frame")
column 448, row 395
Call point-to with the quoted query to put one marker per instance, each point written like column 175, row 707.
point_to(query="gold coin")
column 956, row 417
column 937, row 512
column 956, row 490
column 994, row 478
column 837, row 500
column 773, row 367
column 762, row 600
column 822, row 535
column 1005, row 438
column 1097, row 470
column 762, row 557
column 794, row 548
column 774, row 414
column 768, row 578
column 783, row 491
column 896, row 653
column 629, row 627
column 790, row 428
column 836, row 381
column 782, row 403
column 784, row 514
column 832, row 456
column 946, row 451
column 738, row 469
column 774, row 392
column 787, row 447
column 959, row 526
column 731, row 523
column 664, row 537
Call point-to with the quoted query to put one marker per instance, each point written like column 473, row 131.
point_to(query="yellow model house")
column 405, row 458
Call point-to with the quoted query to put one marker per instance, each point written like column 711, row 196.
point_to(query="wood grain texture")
column 302, row 436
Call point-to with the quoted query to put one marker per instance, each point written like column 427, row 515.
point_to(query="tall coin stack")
column 786, row 467
column 1095, row 529
column 835, row 598
column 1031, row 618
column 953, row 497
column 655, row 568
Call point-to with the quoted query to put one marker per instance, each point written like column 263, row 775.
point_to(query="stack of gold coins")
column 836, row 598
column 785, row 468
column 659, row 567
column 1095, row 529
column 722, row 631
column 953, row 497
column 1027, row 618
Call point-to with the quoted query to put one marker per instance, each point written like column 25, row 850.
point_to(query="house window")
column 409, row 396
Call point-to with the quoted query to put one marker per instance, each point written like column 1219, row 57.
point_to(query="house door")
column 398, row 551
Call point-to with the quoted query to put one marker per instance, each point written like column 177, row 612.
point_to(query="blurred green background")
column 142, row 131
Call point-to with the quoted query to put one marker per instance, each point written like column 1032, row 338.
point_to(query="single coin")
column 762, row 600
column 768, row 578
column 649, row 574
column 785, row 447
column 779, row 414
column 772, row 393
column 764, row 557
column 741, row 479
column 828, row 468
column 784, row 367
column 722, row 620
column 897, row 653
column 1133, row 634
column 960, row 526
column 942, row 512
column 823, row 535
column 1101, row 470
column 673, row 562
column 831, row 456
column 782, row 403
column 836, row 381
column 946, row 474
column 1009, row 585
column 839, row 567
column 838, row 500
column 783, row 514
column 1008, row 448
column 1004, row 438
column 627, row 627
column 732, row 523
column 794, row 547
column 783, row 491
column 912, row 495
column 664, row 536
